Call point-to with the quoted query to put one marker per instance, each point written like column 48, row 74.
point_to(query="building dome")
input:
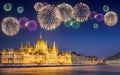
column 40, row 44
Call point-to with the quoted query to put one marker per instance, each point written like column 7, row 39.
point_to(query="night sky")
column 102, row 42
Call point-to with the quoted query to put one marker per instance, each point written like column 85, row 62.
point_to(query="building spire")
column 40, row 35
column 21, row 44
column 46, row 43
column 34, row 44
column 28, row 43
column 54, row 46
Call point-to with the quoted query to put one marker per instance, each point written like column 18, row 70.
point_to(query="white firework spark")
column 81, row 12
column 10, row 26
column 64, row 12
column 47, row 18
column 110, row 18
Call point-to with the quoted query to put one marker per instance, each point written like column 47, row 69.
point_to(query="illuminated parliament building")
column 40, row 53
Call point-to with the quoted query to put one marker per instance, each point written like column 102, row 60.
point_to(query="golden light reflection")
column 38, row 71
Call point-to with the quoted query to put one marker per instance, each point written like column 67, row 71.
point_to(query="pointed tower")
column 28, row 43
column 34, row 43
column 46, row 43
column 54, row 47
column 41, row 36
column 21, row 44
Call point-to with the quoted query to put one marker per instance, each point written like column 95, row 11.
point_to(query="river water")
column 74, row 70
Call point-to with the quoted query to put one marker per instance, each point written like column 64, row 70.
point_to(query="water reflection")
column 37, row 71
column 75, row 70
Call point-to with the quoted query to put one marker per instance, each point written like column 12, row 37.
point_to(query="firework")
column 72, row 23
column 23, row 21
column 10, row 26
column 45, row 4
column 38, row 6
column 64, row 12
column 95, row 25
column 92, row 15
column 7, row 7
column 69, row 23
column 81, row 12
column 99, row 17
column 106, row 8
column 31, row 25
column 75, row 25
column 20, row 9
column 110, row 18
column 48, row 19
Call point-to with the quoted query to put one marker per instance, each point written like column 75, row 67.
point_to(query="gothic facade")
column 40, row 53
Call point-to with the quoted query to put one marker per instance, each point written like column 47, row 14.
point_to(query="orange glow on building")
column 40, row 53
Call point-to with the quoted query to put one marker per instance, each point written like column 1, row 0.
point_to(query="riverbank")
column 72, row 70
column 41, row 65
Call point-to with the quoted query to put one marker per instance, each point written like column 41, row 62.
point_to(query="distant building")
column 112, row 61
column 115, row 59
column 81, row 59
column 40, row 53
column 77, row 58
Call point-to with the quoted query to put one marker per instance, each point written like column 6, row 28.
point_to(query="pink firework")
column 23, row 21
column 99, row 17
column 92, row 15
column 45, row 4
column 31, row 25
